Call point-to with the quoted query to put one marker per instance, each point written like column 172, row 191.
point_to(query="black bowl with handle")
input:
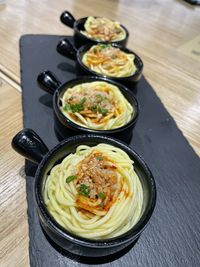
column 78, row 25
column 29, row 144
column 68, row 50
column 64, row 126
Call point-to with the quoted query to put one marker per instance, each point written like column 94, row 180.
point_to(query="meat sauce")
column 96, row 105
column 96, row 182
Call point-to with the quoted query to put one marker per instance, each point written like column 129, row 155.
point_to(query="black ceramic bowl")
column 66, row 49
column 28, row 144
column 78, row 26
column 64, row 126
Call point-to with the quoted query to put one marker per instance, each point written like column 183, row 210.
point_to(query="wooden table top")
column 157, row 30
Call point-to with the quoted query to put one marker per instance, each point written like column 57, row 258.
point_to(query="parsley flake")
column 101, row 195
column 84, row 190
column 103, row 111
column 99, row 97
column 78, row 107
column 94, row 108
column 70, row 178
column 99, row 158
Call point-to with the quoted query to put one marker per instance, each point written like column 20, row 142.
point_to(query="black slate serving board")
column 172, row 237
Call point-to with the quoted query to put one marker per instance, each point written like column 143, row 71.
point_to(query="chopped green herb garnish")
column 103, row 111
column 75, row 107
column 99, row 98
column 66, row 107
column 94, row 108
column 82, row 101
column 101, row 195
column 99, row 158
column 103, row 46
column 84, row 190
column 70, row 178
column 105, row 99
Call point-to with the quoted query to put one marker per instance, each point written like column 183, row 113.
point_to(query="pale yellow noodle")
column 126, row 70
column 120, row 35
column 127, row 111
column 60, row 197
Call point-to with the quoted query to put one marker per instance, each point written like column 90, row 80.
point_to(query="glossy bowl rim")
column 86, row 47
column 75, row 126
column 60, row 231
column 80, row 21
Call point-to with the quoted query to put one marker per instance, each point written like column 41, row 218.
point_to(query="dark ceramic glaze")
column 27, row 142
column 78, row 26
column 64, row 126
column 66, row 49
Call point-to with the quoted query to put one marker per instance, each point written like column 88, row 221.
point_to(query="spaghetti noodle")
column 109, row 61
column 96, row 105
column 102, row 29
column 95, row 192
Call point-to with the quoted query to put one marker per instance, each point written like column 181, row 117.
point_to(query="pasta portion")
column 102, row 29
column 95, row 192
column 96, row 105
column 109, row 61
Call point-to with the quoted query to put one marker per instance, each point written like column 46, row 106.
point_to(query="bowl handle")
column 66, row 49
column 48, row 81
column 28, row 144
column 67, row 19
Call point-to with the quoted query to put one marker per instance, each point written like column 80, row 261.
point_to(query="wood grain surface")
column 157, row 29
column 13, row 226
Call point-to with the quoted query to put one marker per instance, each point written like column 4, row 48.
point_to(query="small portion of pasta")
column 104, row 30
column 96, row 105
column 95, row 192
column 109, row 60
